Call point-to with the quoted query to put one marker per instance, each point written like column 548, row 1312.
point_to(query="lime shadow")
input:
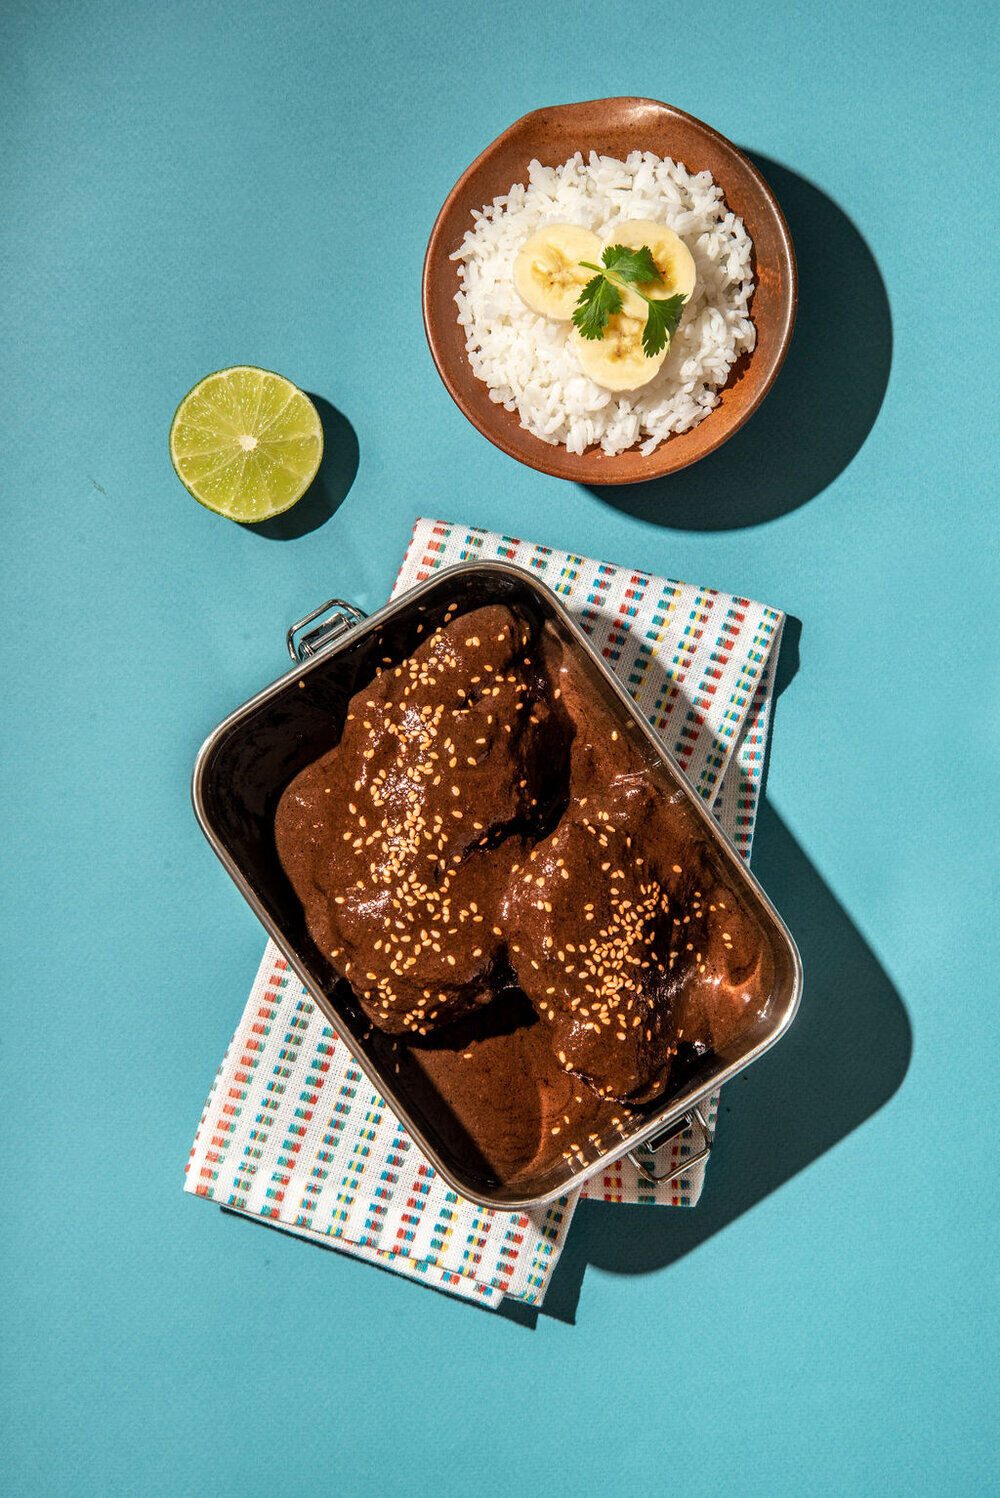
column 330, row 487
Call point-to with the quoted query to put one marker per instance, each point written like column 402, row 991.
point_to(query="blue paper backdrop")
column 187, row 186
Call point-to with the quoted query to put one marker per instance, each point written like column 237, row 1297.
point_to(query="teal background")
column 188, row 186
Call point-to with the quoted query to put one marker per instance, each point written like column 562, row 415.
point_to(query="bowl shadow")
column 328, row 490
column 825, row 400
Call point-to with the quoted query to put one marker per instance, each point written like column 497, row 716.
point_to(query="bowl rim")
column 552, row 460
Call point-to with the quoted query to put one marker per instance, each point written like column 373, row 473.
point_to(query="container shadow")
column 328, row 489
column 824, row 401
column 791, row 1106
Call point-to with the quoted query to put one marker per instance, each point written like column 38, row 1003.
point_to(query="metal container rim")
column 322, row 657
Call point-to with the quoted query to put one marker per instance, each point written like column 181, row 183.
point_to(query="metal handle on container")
column 343, row 616
column 693, row 1116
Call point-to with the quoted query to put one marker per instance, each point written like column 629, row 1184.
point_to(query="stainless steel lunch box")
column 244, row 766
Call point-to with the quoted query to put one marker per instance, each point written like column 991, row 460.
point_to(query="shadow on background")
column 814, row 1088
column 328, row 489
column 791, row 1106
column 824, row 401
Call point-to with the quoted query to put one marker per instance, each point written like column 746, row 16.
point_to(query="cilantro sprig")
column 661, row 321
column 601, row 298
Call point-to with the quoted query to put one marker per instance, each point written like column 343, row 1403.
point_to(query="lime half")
column 246, row 443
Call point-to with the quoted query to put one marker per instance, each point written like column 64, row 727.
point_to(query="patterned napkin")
column 293, row 1132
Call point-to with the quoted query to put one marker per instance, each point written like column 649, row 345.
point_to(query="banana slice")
column 617, row 361
column 672, row 256
column 548, row 275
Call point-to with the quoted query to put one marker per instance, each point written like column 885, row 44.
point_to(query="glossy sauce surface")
column 514, row 887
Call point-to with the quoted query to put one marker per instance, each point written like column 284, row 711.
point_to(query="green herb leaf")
column 598, row 301
column 661, row 322
column 633, row 266
column 601, row 297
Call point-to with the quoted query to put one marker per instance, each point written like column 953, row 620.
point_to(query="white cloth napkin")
column 292, row 1131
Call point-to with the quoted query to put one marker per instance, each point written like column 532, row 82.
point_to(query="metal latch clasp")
column 342, row 616
column 693, row 1117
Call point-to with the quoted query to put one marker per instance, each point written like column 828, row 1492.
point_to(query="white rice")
column 524, row 358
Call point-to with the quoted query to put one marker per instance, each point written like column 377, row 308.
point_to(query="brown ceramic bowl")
column 614, row 127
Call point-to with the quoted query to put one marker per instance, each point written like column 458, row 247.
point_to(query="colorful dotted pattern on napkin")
column 292, row 1131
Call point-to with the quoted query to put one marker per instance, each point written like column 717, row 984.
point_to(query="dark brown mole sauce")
column 495, row 1072
column 506, row 1090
